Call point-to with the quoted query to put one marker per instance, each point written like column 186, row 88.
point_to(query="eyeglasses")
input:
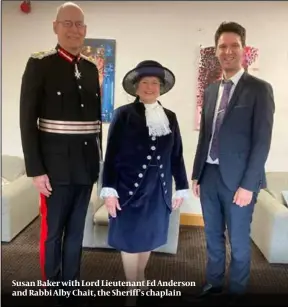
column 70, row 23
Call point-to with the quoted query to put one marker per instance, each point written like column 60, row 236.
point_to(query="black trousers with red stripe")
column 63, row 217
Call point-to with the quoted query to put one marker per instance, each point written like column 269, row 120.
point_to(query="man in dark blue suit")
column 228, row 173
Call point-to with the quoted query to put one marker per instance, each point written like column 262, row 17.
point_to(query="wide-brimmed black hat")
column 148, row 68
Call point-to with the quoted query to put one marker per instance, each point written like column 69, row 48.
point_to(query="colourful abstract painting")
column 210, row 71
column 103, row 51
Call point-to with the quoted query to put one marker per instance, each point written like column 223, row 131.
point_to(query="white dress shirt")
column 235, row 79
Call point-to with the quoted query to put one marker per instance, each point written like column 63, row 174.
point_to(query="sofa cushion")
column 12, row 167
column 101, row 216
column 285, row 196
column 4, row 181
column 276, row 183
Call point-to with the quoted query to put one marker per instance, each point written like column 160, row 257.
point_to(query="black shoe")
column 208, row 289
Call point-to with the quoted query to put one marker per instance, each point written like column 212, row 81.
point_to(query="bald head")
column 68, row 6
column 69, row 27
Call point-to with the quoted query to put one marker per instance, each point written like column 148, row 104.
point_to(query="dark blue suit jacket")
column 130, row 150
column 245, row 134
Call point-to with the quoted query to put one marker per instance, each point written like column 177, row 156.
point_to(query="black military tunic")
column 60, row 122
column 62, row 93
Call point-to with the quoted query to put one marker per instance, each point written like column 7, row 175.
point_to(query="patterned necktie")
column 220, row 115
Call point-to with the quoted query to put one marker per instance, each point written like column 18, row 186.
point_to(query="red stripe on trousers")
column 43, row 234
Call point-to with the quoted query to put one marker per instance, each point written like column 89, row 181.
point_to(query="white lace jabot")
column 156, row 119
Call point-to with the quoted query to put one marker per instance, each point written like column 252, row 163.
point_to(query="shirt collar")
column 235, row 79
column 151, row 105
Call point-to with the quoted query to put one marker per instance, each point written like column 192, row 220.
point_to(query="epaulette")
column 43, row 54
column 89, row 59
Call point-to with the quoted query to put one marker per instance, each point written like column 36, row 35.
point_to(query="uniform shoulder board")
column 43, row 54
column 89, row 59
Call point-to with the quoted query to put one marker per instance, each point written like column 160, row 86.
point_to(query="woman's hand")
column 196, row 188
column 112, row 204
column 177, row 202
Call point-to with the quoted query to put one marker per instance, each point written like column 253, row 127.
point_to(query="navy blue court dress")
column 139, row 168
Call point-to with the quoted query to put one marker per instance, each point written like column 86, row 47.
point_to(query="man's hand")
column 242, row 197
column 43, row 185
column 112, row 204
column 196, row 188
column 177, row 202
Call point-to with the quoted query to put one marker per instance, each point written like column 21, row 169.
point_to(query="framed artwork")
column 103, row 52
column 209, row 71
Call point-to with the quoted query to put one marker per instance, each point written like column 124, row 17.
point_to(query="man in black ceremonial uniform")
column 60, row 121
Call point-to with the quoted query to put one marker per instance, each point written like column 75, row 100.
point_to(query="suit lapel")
column 236, row 94
column 213, row 96
column 167, row 114
column 140, row 118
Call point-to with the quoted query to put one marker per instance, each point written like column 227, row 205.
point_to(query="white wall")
column 170, row 32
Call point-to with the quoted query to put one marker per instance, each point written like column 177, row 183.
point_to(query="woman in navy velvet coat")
column 144, row 153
